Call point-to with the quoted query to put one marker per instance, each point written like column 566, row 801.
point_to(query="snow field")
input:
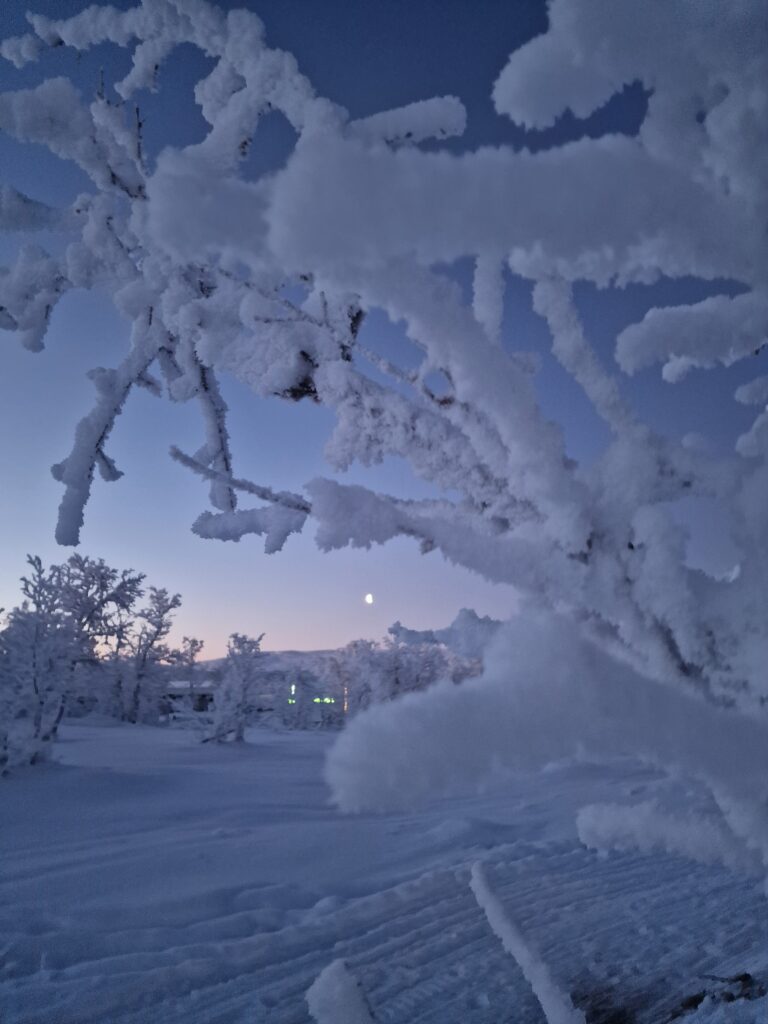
column 150, row 880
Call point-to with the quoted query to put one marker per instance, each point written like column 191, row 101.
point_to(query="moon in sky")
column 369, row 598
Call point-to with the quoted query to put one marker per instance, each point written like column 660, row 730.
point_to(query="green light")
column 323, row 700
column 291, row 700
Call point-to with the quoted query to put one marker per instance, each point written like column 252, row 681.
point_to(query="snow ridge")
column 557, row 1005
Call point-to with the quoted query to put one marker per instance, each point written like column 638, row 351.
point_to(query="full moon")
column 369, row 598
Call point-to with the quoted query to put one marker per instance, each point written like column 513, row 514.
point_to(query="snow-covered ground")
column 149, row 878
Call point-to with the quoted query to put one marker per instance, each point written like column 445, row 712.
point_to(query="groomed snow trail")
column 627, row 936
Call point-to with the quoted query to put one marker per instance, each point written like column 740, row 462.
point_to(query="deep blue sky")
column 368, row 55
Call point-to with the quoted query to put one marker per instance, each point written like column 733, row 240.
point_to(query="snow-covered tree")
column 190, row 650
column 374, row 672
column 78, row 634
column 147, row 655
column 96, row 596
column 101, row 602
column 53, row 642
column 233, row 703
column 270, row 278
column 38, row 648
column 185, row 657
column 468, row 635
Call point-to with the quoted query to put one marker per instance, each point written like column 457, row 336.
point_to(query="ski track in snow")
column 628, row 936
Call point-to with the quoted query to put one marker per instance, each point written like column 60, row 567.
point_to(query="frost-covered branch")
column 216, row 451
column 649, row 829
column 557, row 1006
column 285, row 498
column 21, row 213
column 554, row 301
column 76, row 471
column 335, row 997
column 548, row 694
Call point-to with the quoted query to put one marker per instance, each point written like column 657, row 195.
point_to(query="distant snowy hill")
column 283, row 661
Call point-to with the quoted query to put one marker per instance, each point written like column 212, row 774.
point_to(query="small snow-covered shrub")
column 233, row 703
column 37, row 655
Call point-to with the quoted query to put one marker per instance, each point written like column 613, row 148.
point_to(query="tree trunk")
column 53, row 732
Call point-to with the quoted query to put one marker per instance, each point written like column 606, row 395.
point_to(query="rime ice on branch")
column 270, row 280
